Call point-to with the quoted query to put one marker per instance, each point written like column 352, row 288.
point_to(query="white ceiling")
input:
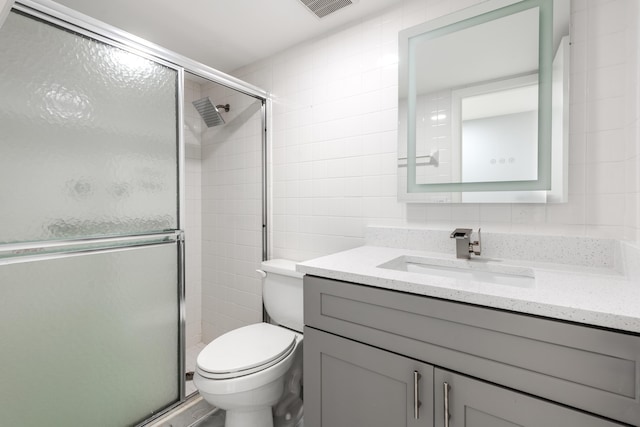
column 224, row 34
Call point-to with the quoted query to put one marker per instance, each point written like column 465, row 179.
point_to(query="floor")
column 190, row 363
column 195, row 412
column 213, row 420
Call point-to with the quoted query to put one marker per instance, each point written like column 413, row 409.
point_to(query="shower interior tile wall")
column 335, row 135
column 223, row 214
column 231, row 214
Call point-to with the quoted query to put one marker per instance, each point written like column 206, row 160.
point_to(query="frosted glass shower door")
column 89, row 339
column 91, row 251
column 88, row 137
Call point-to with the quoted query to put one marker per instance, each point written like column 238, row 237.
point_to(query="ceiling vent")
column 322, row 8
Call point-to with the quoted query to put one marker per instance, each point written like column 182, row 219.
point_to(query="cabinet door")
column 348, row 384
column 473, row 403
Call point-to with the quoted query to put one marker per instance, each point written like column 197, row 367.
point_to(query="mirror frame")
column 466, row 18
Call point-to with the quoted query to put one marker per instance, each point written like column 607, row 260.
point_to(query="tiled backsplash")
column 335, row 135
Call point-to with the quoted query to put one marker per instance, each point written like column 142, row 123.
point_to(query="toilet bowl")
column 243, row 370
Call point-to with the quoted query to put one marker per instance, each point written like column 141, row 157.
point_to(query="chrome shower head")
column 210, row 113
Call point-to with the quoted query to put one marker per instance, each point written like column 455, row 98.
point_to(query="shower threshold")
column 195, row 412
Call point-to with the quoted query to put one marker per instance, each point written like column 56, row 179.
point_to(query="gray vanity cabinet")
column 349, row 384
column 358, row 385
column 473, row 403
column 363, row 346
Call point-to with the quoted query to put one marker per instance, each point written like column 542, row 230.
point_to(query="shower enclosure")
column 224, row 201
column 92, row 258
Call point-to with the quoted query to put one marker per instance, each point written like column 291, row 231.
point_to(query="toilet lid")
column 245, row 350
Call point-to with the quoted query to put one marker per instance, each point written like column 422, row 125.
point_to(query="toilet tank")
column 282, row 293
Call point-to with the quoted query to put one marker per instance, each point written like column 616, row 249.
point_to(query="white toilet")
column 243, row 370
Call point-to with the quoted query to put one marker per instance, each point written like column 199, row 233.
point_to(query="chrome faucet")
column 464, row 246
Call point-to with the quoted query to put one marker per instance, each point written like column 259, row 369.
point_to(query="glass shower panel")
column 89, row 339
column 88, row 137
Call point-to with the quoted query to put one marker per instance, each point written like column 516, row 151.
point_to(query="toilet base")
column 257, row 418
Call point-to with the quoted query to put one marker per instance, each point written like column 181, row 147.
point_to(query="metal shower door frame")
column 63, row 17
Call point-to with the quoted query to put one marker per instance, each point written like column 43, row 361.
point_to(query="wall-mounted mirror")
column 483, row 106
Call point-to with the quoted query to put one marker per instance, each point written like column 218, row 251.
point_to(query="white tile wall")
column 335, row 131
column 605, row 112
column 193, row 220
column 231, row 215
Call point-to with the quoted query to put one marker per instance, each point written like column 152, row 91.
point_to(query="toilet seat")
column 245, row 351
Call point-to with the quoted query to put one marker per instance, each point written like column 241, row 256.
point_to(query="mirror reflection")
column 475, row 98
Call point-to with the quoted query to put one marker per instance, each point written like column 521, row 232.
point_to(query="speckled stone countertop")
column 594, row 296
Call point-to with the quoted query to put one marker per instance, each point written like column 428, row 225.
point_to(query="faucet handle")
column 476, row 247
column 461, row 233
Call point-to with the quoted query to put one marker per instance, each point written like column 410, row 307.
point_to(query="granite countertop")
column 592, row 296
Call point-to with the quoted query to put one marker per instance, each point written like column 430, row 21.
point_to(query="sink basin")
column 475, row 269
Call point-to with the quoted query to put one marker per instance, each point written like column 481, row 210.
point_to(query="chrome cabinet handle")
column 445, row 387
column 416, row 394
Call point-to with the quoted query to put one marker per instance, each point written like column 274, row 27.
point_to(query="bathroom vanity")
column 387, row 347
